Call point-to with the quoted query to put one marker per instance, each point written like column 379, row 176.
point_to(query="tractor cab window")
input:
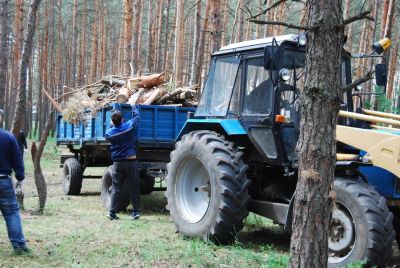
column 258, row 88
column 219, row 86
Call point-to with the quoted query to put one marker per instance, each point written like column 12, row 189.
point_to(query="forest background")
column 79, row 41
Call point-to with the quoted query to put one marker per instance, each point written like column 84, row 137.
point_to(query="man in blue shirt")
column 122, row 136
column 11, row 159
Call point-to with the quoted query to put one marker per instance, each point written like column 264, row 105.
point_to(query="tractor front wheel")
column 207, row 187
column 361, row 225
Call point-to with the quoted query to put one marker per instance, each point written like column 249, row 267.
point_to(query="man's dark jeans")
column 125, row 172
column 10, row 210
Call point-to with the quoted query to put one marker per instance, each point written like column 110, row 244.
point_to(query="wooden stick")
column 55, row 104
column 152, row 97
column 169, row 96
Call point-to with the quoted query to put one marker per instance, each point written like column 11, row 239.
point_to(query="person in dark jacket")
column 22, row 142
column 122, row 136
column 11, row 159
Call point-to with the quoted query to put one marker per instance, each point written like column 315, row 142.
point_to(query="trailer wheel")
column 207, row 187
column 72, row 176
column 106, row 186
column 361, row 225
column 147, row 183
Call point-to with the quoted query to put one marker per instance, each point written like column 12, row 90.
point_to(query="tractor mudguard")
column 229, row 127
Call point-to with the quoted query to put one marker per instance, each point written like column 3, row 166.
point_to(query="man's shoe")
column 112, row 216
column 135, row 215
column 22, row 251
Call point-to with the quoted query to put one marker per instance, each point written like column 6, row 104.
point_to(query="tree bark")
column 215, row 25
column 40, row 181
column 196, row 37
column 74, row 42
column 319, row 102
column 200, row 51
column 179, row 39
column 83, row 45
column 149, row 61
column 95, row 46
column 128, row 18
column 136, row 33
column 16, row 55
column 20, row 111
column 5, row 31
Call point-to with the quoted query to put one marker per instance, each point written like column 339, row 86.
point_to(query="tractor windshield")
column 218, row 89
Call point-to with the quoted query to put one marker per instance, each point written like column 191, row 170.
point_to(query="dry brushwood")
column 85, row 101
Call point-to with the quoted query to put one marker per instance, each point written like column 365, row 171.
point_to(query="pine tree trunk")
column 215, row 25
column 95, row 48
column 20, row 112
column 158, row 62
column 196, row 37
column 225, row 22
column 16, row 55
column 5, row 31
column 179, row 40
column 136, row 33
column 149, row 61
column 240, row 30
column 317, row 144
column 82, row 49
column 200, row 52
column 74, row 43
column 40, row 181
column 128, row 18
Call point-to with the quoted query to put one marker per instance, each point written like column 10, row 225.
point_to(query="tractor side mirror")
column 380, row 74
column 270, row 54
column 267, row 58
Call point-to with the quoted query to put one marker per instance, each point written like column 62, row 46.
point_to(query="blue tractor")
column 236, row 154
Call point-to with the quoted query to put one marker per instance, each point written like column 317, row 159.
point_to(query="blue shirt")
column 10, row 156
column 123, row 138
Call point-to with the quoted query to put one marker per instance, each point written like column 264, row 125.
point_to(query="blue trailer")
column 158, row 128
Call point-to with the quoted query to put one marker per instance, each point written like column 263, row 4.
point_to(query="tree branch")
column 281, row 23
column 359, row 81
column 361, row 16
column 268, row 8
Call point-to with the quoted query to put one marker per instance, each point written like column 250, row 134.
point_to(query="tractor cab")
column 257, row 83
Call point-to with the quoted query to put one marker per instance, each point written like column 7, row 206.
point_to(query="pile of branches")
column 152, row 89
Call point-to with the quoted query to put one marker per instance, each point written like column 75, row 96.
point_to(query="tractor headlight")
column 302, row 39
column 284, row 74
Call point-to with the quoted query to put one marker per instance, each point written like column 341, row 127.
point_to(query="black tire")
column 106, row 184
column 147, row 183
column 369, row 221
column 396, row 223
column 213, row 174
column 72, row 177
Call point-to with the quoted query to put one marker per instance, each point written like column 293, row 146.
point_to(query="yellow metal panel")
column 382, row 148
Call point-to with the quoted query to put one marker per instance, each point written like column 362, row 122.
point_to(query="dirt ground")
column 74, row 232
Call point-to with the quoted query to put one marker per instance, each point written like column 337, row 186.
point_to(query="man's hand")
column 19, row 185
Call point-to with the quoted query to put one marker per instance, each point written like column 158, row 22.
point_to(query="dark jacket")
column 22, row 141
column 123, row 138
column 10, row 156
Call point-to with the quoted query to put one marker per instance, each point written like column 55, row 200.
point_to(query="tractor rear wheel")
column 106, row 187
column 207, row 187
column 361, row 225
column 72, row 176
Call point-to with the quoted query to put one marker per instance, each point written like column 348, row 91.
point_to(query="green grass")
column 73, row 232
